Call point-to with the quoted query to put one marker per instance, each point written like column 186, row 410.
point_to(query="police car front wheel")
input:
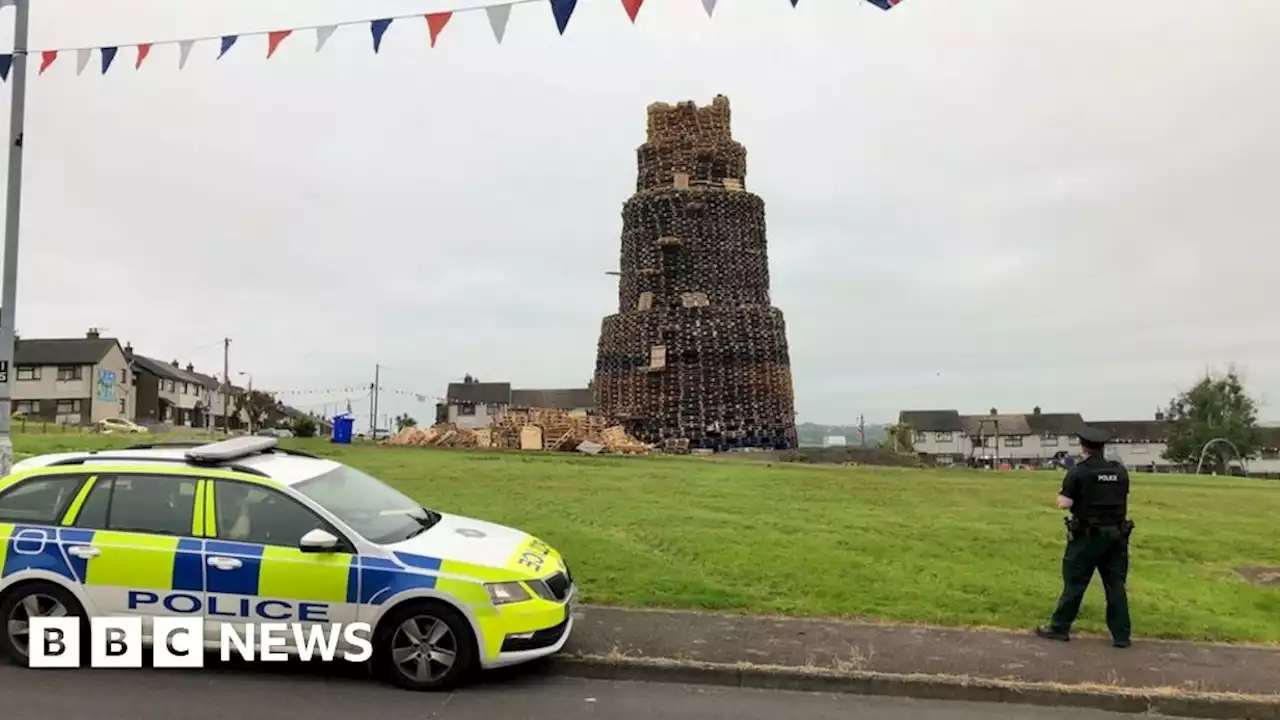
column 425, row 646
column 24, row 602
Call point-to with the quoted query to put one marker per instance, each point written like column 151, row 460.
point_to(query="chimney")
column 1159, row 416
column 993, row 411
column 92, row 334
column 191, row 367
column 174, row 363
column 128, row 349
column 1035, row 410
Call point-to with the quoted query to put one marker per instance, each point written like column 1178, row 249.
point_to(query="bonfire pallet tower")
column 696, row 357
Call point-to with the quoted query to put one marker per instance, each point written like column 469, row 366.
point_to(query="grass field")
column 950, row 547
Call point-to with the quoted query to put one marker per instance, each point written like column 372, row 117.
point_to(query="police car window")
column 161, row 504
column 93, row 513
column 251, row 514
column 375, row 510
column 39, row 500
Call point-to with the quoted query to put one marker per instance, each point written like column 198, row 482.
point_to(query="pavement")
column 712, row 666
column 285, row 693
column 1180, row 678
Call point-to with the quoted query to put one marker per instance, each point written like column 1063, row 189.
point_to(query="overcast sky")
column 970, row 203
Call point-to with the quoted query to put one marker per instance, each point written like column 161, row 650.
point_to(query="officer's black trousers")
column 1105, row 550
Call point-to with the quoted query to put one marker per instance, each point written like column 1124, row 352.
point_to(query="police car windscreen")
column 377, row 511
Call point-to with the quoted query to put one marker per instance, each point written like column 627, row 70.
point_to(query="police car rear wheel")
column 425, row 646
column 27, row 601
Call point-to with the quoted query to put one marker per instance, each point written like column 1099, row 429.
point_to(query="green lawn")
column 950, row 547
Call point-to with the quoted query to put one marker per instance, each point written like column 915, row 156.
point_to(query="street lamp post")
column 13, row 204
column 248, row 401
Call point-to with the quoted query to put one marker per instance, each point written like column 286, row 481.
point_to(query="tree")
column 262, row 409
column 304, row 426
column 404, row 421
column 899, row 438
column 1215, row 407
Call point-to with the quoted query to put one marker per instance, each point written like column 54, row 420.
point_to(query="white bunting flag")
column 498, row 16
column 323, row 34
column 184, row 52
column 709, row 6
column 82, row 59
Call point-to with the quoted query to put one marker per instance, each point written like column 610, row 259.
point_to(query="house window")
column 28, row 372
column 944, row 437
column 467, row 409
column 1271, row 454
column 1013, row 441
column 124, row 377
column 68, row 407
column 27, row 407
column 920, row 437
column 123, row 410
column 69, row 373
column 171, row 386
column 1049, row 440
column 1073, row 440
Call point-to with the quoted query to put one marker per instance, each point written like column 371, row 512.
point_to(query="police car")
column 244, row 531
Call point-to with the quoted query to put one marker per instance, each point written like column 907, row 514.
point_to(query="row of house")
column 946, row 437
column 474, row 404
column 82, row 381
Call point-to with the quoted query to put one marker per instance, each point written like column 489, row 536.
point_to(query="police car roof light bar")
column 231, row 449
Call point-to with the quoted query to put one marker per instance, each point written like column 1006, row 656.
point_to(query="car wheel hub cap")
column 36, row 605
column 424, row 648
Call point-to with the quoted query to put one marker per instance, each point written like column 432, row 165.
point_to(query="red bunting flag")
column 143, row 50
column 46, row 59
column 436, row 23
column 274, row 39
column 632, row 7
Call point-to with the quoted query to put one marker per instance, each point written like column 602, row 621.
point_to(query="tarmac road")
column 296, row 692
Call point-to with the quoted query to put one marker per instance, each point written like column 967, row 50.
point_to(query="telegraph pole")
column 13, row 207
column 862, row 430
column 226, row 385
column 373, row 415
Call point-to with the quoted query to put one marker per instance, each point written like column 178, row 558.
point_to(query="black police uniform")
column 1097, row 539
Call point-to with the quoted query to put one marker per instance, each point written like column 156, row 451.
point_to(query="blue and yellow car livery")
column 515, row 592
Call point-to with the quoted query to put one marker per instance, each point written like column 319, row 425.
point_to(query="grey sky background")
column 971, row 204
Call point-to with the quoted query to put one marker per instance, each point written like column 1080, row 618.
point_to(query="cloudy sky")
column 971, row 203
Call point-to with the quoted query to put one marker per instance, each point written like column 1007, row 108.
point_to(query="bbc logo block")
column 179, row 642
column 116, row 642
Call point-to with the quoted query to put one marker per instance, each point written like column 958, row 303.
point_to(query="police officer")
column 1096, row 491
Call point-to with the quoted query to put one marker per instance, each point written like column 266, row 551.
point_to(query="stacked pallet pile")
column 696, row 356
column 529, row 429
column 443, row 435
column 559, row 430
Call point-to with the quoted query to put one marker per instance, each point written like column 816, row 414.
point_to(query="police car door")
column 30, row 543
column 143, row 557
column 256, row 572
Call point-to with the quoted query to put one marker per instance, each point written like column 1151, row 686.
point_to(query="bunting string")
column 350, row 390
column 497, row 15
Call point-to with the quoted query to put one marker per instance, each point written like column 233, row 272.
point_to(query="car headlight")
column 505, row 593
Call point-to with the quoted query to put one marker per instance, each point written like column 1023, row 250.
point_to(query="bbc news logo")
column 178, row 642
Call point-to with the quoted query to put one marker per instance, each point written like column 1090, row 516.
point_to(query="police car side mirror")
column 318, row 541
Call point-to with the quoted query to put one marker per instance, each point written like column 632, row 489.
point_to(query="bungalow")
column 475, row 404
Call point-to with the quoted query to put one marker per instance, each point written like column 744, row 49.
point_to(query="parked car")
column 120, row 425
column 275, row 432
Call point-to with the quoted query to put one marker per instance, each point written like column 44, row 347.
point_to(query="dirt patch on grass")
column 1262, row 575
